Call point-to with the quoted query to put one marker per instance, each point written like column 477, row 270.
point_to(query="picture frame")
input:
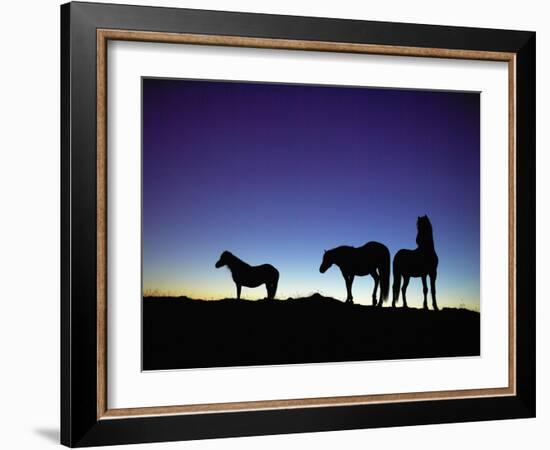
column 86, row 418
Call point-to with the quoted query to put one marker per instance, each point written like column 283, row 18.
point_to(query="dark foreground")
column 182, row 333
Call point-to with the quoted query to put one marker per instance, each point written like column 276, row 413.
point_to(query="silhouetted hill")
column 184, row 333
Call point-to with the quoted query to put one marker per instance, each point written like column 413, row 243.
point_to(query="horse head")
column 224, row 259
column 425, row 233
column 327, row 262
column 423, row 223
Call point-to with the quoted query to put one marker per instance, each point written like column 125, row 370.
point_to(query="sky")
column 278, row 173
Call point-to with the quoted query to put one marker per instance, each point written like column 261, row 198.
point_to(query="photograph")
column 279, row 220
column 299, row 223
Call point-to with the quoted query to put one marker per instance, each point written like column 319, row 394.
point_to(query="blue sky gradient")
column 277, row 173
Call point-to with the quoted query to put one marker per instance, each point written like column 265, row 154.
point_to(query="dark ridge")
column 180, row 332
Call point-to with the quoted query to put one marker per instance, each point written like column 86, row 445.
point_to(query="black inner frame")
column 79, row 423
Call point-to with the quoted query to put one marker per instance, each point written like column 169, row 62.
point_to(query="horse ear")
column 325, row 251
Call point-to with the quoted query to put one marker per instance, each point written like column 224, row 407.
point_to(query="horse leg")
column 349, row 282
column 396, row 287
column 238, row 291
column 404, row 290
column 432, row 289
column 425, row 291
column 376, row 279
column 271, row 289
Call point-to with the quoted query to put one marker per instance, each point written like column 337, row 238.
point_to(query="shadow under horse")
column 421, row 262
column 244, row 274
column 372, row 259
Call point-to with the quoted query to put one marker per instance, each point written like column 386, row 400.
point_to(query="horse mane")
column 232, row 257
column 424, row 237
column 335, row 251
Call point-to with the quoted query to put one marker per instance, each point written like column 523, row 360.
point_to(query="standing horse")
column 246, row 275
column 421, row 262
column 371, row 259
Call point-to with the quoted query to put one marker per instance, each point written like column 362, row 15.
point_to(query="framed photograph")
column 277, row 224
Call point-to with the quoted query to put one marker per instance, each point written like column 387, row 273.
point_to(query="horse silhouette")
column 372, row 259
column 421, row 262
column 246, row 275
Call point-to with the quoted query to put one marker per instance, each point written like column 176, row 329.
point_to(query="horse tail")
column 385, row 275
column 396, row 278
column 272, row 286
column 276, row 282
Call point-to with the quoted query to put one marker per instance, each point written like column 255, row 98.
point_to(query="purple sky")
column 277, row 173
